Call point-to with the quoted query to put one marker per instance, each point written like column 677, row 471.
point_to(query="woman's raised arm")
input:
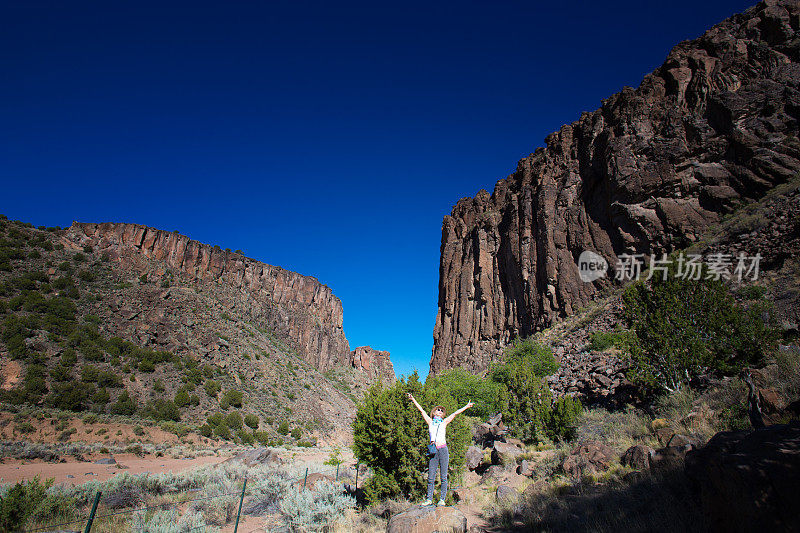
column 421, row 410
column 452, row 416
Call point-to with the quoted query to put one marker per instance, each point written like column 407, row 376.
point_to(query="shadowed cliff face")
column 295, row 307
column 715, row 126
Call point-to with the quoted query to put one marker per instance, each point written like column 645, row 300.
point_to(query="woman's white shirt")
column 437, row 429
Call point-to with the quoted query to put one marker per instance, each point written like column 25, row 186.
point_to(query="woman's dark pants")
column 440, row 460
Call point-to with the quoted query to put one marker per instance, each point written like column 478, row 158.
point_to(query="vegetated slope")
column 713, row 128
column 93, row 324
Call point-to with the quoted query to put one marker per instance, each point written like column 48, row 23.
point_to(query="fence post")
column 337, row 471
column 241, row 499
column 358, row 463
column 94, row 510
column 304, row 480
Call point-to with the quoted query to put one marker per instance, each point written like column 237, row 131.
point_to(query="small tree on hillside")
column 685, row 328
column 525, row 396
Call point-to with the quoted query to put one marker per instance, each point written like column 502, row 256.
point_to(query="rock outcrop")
column 715, row 126
column 428, row 519
column 297, row 308
column 749, row 480
column 374, row 363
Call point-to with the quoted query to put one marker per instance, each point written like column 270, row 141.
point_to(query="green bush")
column 244, row 437
column 603, row 340
column 297, row 433
column 160, row 409
column 27, row 502
column 525, row 397
column 222, row 431
column 212, row 388
column 231, row 397
column 283, row 428
column 234, row 420
column 125, row 404
column 251, row 420
column 138, row 430
column 215, row 419
column 563, row 419
column 463, row 387
column 182, row 398
column 685, row 328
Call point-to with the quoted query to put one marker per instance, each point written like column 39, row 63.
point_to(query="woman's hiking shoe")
column 427, row 502
column 441, row 503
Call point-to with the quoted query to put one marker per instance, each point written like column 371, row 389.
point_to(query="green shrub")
column 138, row 430
column 125, row 404
column 222, row 431
column 206, row 430
column 215, row 419
column 158, row 386
column 234, row 420
column 25, row 427
column 262, row 437
column 251, row 420
column 283, row 428
column 194, row 399
column 463, row 387
column 160, row 409
column 524, row 396
column 603, row 340
column 685, row 328
column 244, row 437
column 212, row 388
column 231, row 397
column 563, row 419
column 24, row 503
column 181, row 398
column 297, row 433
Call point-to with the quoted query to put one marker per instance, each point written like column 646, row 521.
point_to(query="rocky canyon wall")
column 715, row 126
column 298, row 309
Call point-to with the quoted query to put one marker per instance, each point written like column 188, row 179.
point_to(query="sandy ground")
column 13, row 470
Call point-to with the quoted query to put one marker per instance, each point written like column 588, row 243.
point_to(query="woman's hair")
column 444, row 411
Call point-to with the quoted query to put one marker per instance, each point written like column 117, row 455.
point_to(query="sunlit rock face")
column 716, row 125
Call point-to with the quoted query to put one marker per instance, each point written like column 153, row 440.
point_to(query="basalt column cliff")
column 716, row 125
column 296, row 308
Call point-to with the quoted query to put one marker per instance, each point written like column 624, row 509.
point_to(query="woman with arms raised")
column 438, row 454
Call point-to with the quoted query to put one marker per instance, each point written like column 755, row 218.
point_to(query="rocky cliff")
column 374, row 363
column 294, row 307
column 714, row 127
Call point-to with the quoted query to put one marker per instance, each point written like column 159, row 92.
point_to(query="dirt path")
column 13, row 470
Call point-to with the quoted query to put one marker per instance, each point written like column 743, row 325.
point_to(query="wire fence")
column 334, row 473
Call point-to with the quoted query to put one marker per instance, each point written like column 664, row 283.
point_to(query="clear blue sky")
column 326, row 137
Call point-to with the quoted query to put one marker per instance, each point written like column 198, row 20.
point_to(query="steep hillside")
column 124, row 319
column 651, row 171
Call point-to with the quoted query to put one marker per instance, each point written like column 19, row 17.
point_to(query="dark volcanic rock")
column 646, row 173
column 749, row 480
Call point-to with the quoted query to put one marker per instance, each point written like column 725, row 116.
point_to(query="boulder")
column 637, row 457
column 505, row 454
column 525, row 468
column 256, row 456
column 506, row 494
column 589, row 457
column 669, row 458
column 106, row 461
column 516, row 442
column 474, row 457
column 749, row 477
column 428, row 519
